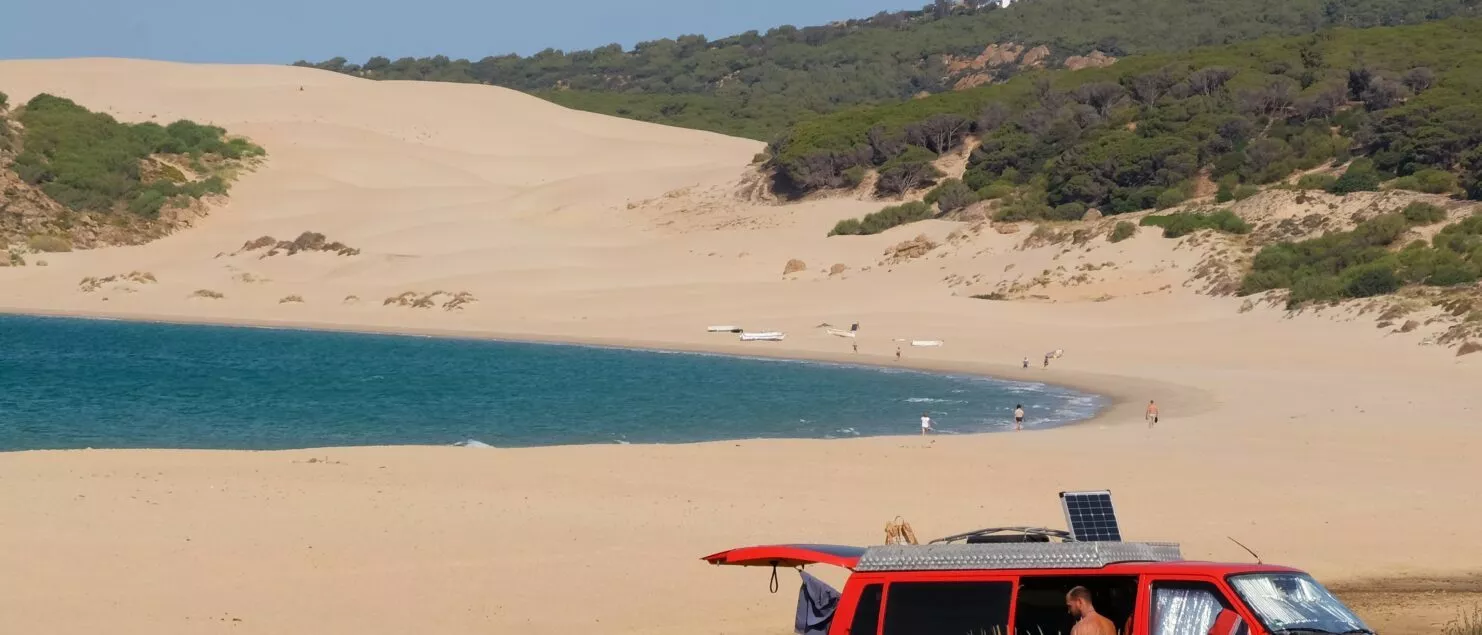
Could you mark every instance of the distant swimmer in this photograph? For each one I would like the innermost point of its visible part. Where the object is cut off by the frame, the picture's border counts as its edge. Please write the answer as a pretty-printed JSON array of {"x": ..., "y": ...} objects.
[
  {"x": 926, "y": 423},
  {"x": 1152, "y": 414},
  {"x": 1088, "y": 621},
  {"x": 1019, "y": 417}
]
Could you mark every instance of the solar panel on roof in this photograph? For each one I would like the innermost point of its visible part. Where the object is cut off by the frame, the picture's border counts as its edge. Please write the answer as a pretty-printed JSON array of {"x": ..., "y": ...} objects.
[{"x": 1090, "y": 516}]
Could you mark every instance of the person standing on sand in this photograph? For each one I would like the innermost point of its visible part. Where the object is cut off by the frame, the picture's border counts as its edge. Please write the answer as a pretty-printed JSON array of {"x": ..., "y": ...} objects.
[
  {"x": 926, "y": 423},
  {"x": 1026, "y": 363},
  {"x": 856, "y": 347},
  {"x": 1018, "y": 417},
  {"x": 1152, "y": 413},
  {"x": 897, "y": 353},
  {"x": 1088, "y": 621}
]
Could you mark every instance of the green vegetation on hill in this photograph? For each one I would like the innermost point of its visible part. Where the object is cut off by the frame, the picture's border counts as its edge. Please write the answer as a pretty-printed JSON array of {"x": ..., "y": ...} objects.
[
  {"x": 754, "y": 84},
  {"x": 89, "y": 162},
  {"x": 1179, "y": 224},
  {"x": 1361, "y": 263},
  {"x": 884, "y": 219},
  {"x": 1138, "y": 134}
]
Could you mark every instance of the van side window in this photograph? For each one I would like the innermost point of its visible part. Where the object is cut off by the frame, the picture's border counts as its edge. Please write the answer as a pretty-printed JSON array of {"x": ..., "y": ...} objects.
[
  {"x": 948, "y": 608},
  {"x": 1186, "y": 608},
  {"x": 867, "y": 612},
  {"x": 1041, "y": 603}
]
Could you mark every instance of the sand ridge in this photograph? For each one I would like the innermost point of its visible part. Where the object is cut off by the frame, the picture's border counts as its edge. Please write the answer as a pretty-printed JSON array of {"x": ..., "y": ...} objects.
[{"x": 1322, "y": 443}]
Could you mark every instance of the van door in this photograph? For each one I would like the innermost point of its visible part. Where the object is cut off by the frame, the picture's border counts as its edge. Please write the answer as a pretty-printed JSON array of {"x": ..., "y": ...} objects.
[{"x": 1190, "y": 606}]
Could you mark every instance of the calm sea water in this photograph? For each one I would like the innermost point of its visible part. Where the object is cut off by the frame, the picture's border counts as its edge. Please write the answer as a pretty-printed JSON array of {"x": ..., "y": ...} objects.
[{"x": 68, "y": 383}]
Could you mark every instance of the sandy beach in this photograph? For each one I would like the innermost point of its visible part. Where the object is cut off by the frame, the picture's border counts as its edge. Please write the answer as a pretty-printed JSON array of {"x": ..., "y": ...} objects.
[{"x": 1318, "y": 440}]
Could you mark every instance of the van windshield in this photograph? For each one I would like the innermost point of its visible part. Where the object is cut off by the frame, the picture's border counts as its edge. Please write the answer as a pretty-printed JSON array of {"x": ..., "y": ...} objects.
[{"x": 1295, "y": 603}]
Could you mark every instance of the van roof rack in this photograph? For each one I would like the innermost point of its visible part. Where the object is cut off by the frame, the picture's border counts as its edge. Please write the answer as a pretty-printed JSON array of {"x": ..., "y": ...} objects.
[
  {"x": 1043, "y": 555},
  {"x": 1008, "y": 534}
]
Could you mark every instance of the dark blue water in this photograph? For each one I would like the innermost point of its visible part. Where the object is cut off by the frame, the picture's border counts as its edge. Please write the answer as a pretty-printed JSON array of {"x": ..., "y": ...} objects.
[{"x": 68, "y": 383}]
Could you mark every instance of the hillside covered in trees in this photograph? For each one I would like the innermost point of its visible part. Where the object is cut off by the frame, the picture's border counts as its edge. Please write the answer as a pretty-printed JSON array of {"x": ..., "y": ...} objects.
[
  {"x": 754, "y": 84},
  {"x": 1140, "y": 134},
  {"x": 70, "y": 177},
  {"x": 1340, "y": 111}
]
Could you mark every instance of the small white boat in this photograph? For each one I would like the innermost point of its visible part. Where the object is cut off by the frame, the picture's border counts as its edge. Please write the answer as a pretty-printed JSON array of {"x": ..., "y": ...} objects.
[
  {"x": 724, "y": 329},
  {"x": 926, "y": 342},
  {"x": 842, "y": 333},
  {"x": 766, "y": 336}
]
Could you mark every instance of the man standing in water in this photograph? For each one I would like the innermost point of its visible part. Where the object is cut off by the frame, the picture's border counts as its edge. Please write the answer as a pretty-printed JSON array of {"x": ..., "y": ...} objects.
[
  {"x": 1152, "y": 414},
  {"x": 1088, "y": 621},
  {"x": 1018, "y": 417},
  {"x": 926, "y": 423}
]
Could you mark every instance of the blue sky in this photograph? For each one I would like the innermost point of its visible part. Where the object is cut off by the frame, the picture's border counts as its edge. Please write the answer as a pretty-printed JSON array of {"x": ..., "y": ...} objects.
[{"x": 281, "y": 31}]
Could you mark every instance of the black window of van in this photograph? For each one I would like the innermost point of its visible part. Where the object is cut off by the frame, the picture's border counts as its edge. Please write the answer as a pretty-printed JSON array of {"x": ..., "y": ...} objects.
[
  {"x": 867, "y": 613},
  {"x": 948, "y": 608}
]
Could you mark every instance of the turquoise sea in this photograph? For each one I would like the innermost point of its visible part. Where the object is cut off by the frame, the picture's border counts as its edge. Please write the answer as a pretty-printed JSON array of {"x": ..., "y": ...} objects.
[{"x": 71, "y": 383}]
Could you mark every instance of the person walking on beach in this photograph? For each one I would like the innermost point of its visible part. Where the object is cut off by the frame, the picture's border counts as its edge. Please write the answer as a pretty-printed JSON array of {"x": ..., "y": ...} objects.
[
  {"x": 856, "y": 347},
  {"x": 926, "y": 423},
  {"x": 897, "y": 353},
  {"x": 1152, "y": 413},
  {"x": 1018, "y": 417},
  {"x": 1047, "y": 360},
  {"x": 1026, "y": 362}
]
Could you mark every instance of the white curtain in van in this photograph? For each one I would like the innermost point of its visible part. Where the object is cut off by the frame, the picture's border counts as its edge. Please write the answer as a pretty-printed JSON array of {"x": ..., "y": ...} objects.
[{"x": 1184, "y": 611}]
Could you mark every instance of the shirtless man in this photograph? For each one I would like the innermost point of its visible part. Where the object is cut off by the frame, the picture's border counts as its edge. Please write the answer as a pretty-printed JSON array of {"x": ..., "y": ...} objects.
[
  {"x": 1152, "y": 414},
  {"x": 1088, "y": 621}
]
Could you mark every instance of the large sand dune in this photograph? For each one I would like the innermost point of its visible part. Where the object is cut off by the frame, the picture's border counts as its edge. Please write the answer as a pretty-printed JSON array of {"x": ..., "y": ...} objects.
[{"x": 1323, "y": 443}]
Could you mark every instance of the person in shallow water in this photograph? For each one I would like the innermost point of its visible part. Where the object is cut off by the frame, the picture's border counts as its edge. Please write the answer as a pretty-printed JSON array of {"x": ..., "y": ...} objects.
[
  {"x": 1018, "y": 416},
  {"x": 926, "y": 423}
]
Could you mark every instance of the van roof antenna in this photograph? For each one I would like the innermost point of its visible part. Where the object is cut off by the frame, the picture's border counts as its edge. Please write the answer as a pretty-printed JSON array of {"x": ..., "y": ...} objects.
[{"x": 1247, "y": 550}]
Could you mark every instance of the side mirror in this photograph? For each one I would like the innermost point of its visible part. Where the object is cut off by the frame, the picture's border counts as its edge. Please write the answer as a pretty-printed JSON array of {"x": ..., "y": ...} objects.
[{"x": 1228, "y": 623}]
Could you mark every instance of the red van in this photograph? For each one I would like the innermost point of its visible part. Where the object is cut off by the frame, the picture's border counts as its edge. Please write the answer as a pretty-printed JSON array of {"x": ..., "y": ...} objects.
[{"x": 1014, "y": 581}]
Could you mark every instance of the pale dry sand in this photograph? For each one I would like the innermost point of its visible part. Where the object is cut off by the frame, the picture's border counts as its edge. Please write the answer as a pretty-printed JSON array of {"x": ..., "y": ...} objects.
[{"x": 1323, "y": 443}]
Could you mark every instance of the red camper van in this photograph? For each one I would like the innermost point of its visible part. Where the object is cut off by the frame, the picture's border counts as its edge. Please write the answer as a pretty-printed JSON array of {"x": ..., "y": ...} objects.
[{"x": 1014, "y": 581}]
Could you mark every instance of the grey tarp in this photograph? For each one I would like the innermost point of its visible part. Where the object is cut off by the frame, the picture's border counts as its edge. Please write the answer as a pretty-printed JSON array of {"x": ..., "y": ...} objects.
[{"x": 817, "y": 602}]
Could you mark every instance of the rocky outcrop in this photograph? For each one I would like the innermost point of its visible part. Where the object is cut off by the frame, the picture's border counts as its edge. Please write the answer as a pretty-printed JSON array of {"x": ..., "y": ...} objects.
[
  {"x": 908, "y": 250},
  {"x": 794, "y": 266},
  {"x": 1096, "y": 59},
  {"x": 1035, "y": 57},
  {"x": 970, "y": 72}
]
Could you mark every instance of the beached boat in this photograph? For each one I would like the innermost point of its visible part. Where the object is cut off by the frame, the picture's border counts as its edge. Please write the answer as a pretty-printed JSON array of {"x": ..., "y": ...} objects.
[
  {"x": 926, "y": 342},
  {"x": 724, "y": 329},
  {"x": 842, "y": 333},
  {"x": 766, "y": 336}
]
